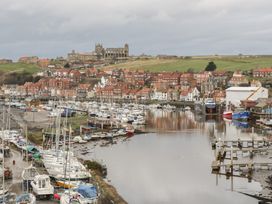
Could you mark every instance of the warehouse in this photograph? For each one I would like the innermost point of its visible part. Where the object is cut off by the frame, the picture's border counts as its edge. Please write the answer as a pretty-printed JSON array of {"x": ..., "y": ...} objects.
[{"x": 234, "y": 95}]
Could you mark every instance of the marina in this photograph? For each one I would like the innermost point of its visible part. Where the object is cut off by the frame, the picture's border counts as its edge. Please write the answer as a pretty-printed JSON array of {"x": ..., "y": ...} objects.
[{"x": 58, "y": 162}]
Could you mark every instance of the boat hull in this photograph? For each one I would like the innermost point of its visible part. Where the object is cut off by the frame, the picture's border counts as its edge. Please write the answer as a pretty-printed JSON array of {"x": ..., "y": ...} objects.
[
  {"x": 244, "y": 115},
  {"x": 227, "y": 114}
]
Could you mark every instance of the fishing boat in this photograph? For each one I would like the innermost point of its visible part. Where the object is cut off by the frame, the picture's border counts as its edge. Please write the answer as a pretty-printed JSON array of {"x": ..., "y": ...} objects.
[
  {"x": 26, "y": 198},
  {"x": 240, "y": 114},
  {"x": 42, "y": 187},
  {"x": 28, "y": 175},
  {"x": 210, "y": 105},
  {"x": 227, "y": 114}
]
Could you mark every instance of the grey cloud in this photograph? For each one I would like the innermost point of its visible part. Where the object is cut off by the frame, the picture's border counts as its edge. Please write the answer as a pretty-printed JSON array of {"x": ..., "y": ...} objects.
[{"x": 50, "y": 28}]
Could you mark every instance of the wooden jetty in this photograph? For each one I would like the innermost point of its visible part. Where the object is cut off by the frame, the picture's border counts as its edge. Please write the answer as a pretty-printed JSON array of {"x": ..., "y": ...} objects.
[
  {"x": 227, "y": 152},
  {"x": 242, "y": 143}
]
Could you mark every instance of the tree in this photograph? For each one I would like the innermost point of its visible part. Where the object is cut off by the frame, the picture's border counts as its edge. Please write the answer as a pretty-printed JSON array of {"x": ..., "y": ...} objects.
[
  {"x": 190, "y": 70},
  {"x": 210, "y": 67},
  {"x": 67, "y": 65}
]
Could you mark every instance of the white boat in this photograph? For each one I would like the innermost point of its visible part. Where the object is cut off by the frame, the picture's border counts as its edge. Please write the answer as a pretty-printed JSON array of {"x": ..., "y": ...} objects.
[
  {"x": 187, "y": 108},
  {"x": 82, "y": 141},
  {"x": 42, "y": 187},
  {"x": 87, "y": 137}
]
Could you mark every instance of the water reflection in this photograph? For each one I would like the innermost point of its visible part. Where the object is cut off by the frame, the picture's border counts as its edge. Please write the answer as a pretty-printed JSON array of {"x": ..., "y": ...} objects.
[
  {"x": 164, "y": 121},
  {"x": 156, "y": 168}
]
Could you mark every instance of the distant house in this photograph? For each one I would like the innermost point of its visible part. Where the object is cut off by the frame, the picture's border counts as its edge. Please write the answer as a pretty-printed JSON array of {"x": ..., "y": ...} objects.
[
  {"x": 238, "y": 79},
  {"x": 262, "y": 72},
  {"x": 201, "y": 77},
  {"x": 160, "y": 94},
  {"x": 144, "y": 93},
  {"x": 191, "y": 94},
  {"x": 29, "y": 60},
  {"x": 5, "y": 61},
  {"x": 219, "y": 95},
  {"x": 44, "y": 63},
  {"x": 169, "y": 78}
]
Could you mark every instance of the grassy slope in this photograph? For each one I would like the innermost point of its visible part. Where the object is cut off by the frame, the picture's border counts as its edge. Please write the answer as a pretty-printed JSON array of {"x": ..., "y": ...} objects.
[
  {"x": 229, "y": 64},
  {"x": 19, "y": 67}
]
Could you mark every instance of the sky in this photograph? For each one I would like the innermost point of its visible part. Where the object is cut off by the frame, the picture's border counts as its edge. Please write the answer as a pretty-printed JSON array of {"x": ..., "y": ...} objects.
[{"x": 50, "y": 28}]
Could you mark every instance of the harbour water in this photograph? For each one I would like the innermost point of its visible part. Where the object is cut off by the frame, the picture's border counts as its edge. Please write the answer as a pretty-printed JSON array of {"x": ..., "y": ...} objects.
[{"x": 172, "y": 164}]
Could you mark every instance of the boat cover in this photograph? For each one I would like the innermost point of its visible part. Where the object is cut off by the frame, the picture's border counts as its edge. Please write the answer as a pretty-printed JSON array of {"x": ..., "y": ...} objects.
[
  {"x": 23, "y": 197},
  {"x": 87, "y": 191}
]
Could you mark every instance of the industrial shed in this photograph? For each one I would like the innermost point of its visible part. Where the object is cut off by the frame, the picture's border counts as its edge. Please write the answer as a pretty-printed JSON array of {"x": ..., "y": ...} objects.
[{"x": 234, "y": 95}]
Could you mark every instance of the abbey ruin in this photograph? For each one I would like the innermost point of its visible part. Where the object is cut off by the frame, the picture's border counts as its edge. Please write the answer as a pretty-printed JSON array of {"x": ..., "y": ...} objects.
[{"x": 100, "y": 53}]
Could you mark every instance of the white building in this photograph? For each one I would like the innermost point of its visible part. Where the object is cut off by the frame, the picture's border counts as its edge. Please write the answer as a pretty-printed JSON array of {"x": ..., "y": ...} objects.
[
  {"x": 161, "y": 95},
  {"x": 192, "y": 94},
  {"x": 234, "y": 95}
]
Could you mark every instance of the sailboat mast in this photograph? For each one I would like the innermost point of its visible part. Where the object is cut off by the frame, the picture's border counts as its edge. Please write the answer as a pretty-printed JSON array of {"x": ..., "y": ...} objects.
[
  {"x": 69, "y": 151},
  {"x": 26, "y": 132},
  {"x": 3, "y": 166}
]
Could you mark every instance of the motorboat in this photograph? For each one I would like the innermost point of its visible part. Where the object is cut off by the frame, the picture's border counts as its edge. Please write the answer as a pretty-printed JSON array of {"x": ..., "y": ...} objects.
[{"x": 42, "y": 187}]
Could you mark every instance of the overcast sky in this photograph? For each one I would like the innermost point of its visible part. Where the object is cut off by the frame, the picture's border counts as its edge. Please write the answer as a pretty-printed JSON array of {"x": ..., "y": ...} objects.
[{"x": 50, "y": 28}]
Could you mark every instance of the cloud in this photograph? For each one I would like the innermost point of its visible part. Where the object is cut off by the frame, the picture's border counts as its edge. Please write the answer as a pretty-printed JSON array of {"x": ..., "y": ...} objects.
[{"x": 51, "y": 28}]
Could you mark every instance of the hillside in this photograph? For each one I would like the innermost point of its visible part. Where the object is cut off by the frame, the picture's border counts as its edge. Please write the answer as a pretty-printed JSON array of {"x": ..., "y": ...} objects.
[
  {"x": 19, "y": 67},
  {"x": 197, "y": 64}
]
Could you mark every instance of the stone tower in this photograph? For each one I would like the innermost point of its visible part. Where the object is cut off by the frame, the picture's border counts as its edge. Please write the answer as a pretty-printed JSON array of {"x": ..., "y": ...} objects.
[
  {"x": 99, "y": 50},
  {"x": 126, "y": 50}
]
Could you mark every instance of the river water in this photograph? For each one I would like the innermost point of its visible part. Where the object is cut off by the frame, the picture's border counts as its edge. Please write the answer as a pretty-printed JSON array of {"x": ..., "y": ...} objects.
[{"x": 172, "y": 164}]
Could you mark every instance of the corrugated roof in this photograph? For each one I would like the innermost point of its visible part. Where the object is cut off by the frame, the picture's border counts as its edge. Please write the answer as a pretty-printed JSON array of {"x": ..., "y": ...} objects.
[{"x": 249, "y": 88}]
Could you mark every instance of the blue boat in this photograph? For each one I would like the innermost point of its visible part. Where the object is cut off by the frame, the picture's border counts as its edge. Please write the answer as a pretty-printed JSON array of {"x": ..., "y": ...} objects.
[
  {"x": 210, "y": 103},
  {"x": 241, "y": 114},
  {"x": 241, "y": 124}
]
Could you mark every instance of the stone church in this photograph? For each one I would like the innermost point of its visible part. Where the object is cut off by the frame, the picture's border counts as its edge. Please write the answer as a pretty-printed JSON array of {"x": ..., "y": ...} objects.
[{"x": 100, "y": 53}]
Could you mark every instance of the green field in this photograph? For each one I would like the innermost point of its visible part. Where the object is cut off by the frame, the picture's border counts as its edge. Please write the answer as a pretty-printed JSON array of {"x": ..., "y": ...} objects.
[
  {"x": 19, "y": 67},
  {"x": 199, "y": 64}
]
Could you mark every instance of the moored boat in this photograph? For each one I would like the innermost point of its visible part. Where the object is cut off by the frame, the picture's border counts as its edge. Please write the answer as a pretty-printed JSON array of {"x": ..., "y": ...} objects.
[
  {"x": 42, "y": 187},
  {"x": 240, "y": 114},
  {"x": 26, "y": 198},
  {"x": 210, "y": 106},
  {"x": 227, "y": 114},
  {"x": 83, "y": 194}
]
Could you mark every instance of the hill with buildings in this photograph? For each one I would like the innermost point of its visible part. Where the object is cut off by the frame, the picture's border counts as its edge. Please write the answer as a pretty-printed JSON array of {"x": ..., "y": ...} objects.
[{"x": 196, "y": 63}]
